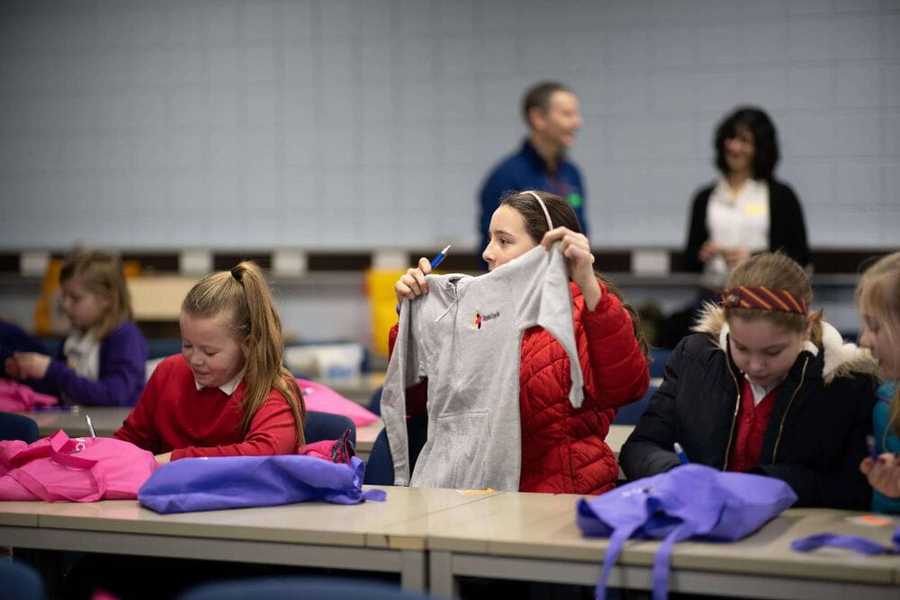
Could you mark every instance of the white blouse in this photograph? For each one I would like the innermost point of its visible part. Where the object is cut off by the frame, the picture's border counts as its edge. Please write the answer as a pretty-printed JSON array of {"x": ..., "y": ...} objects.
[{"x": 736, "y": 220}]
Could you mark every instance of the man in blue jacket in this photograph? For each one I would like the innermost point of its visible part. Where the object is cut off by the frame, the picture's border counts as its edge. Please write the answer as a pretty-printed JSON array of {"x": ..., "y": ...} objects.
[{"x": 551, "y": 112}]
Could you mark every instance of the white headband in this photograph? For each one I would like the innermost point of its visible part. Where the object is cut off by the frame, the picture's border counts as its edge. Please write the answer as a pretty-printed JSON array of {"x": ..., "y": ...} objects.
[{"x": 543, "y": 207}]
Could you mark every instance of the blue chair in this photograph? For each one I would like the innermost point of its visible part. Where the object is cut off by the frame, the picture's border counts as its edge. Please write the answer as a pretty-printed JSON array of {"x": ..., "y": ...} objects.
[
  {"x": 375, "y": 401},
  {"x": 658, "y": 359},
  {"x": 20, "y": 582},
  {"x": 630, "y": 414},
  {"x": 18, "y": 427},
  {"x": 292, "y": 588},
  {"x": 380, "y": 466},
  {"x": 321, "y": 426}
]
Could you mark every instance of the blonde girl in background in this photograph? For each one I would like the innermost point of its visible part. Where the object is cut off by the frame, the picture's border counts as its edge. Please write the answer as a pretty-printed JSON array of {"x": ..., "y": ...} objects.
[
  {"x": 878, "y": 296},
  {"x": 102, "y": 361}
]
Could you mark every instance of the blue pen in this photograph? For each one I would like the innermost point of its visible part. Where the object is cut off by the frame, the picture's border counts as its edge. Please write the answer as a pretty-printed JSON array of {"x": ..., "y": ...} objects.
[
  {"x": 437, "y": 260},
  {"x": 679, "y": 451}
]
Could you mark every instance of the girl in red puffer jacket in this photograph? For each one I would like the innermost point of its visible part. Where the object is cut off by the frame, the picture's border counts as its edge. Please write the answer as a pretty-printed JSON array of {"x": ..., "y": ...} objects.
[{"x": 563, "y": 448}]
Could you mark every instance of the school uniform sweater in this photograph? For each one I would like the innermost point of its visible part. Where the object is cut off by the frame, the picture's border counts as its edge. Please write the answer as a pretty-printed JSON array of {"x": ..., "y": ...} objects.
[
  {"x": 120, "y": 376},
  {"x": 174, "y": 416},
  {"x": 750, "y": 428}
]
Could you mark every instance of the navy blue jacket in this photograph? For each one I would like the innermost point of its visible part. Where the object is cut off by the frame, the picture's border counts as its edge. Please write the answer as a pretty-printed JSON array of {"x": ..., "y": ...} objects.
[{"x": 527, "y": 170}]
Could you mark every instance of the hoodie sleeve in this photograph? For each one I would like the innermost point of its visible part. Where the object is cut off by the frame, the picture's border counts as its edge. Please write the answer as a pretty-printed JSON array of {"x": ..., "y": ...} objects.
[{"x": 417, "y": 394}]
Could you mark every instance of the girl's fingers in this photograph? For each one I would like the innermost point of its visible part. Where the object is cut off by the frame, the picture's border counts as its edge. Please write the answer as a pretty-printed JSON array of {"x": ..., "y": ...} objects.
[
  {"x": 421, "y": 284},
  {"x": 402, "y": 291},
  {"x": 425, "y": 265},
  {"x": 552, "y": 236},
  {"x": 412, "y": 283},
  {"x": 866, "y": 465}
]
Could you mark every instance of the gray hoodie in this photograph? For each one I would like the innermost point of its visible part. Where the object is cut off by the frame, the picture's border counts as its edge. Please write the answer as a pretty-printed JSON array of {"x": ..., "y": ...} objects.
[{"x": 465, "y": 337}]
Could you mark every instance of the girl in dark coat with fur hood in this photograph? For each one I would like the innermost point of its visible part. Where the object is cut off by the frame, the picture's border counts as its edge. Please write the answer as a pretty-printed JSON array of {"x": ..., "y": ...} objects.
[{"x": 764, "y": 386}]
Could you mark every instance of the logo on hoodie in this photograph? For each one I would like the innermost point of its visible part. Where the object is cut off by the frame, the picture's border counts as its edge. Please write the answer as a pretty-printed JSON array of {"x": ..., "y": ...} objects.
[{"x": 480, "y": 318}]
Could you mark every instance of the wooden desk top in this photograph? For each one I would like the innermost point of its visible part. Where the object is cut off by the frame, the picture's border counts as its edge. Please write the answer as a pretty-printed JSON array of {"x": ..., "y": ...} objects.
[
  {"x": 398, "y": 523},
  {"x": 543, "y": 526}
]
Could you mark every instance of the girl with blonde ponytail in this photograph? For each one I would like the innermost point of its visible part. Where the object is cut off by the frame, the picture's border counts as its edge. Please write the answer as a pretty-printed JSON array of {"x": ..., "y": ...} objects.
[{"x": 228, "y": 392}]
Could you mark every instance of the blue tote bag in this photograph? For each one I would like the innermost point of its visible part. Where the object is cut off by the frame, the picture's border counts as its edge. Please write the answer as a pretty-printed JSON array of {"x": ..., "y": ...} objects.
[
  {"x": 195, "y": 484},
  {"x": 690, "y": 501}
]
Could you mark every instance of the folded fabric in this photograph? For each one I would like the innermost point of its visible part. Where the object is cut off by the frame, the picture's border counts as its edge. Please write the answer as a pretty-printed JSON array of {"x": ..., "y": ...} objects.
[
  {"x": 195, "y": 484},
  {"x": 18, "y": 397},
  {"x": 321, "y": 398},
  {"x": 856, "y": 543},
  {"x": 59, "y": 468},
  {"x": 690, "y": 501}
]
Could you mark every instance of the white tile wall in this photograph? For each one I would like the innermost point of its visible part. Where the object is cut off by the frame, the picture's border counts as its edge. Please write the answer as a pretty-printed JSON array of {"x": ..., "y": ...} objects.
[{"x": 360, "y": 123}]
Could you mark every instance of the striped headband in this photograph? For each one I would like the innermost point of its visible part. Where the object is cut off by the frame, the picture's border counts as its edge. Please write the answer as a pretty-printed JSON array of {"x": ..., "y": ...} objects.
[
  {"x": 543, "y": 207},
  {"x": 763, "y": 298}
]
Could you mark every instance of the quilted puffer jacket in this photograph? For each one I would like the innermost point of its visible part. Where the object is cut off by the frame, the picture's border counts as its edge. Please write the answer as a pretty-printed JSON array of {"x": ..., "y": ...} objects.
[{"x": 563, "y": 449}]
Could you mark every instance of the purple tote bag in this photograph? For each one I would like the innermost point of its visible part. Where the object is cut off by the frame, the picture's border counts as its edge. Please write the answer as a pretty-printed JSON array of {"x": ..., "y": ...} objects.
[
  {"x": 194, "y": 484},
  {"x": 690, "y": 501}
]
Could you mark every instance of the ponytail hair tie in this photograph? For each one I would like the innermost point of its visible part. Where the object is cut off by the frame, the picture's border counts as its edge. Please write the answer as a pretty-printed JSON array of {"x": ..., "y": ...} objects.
[{"x": 238, "y": 274}]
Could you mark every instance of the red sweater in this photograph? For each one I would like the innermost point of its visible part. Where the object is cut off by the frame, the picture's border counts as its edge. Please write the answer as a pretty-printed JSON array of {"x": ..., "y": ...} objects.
[
  {"x": 172, "y": 415},
  {"x": 564, "y": 449},
  {"x": 752, "y": 422}
]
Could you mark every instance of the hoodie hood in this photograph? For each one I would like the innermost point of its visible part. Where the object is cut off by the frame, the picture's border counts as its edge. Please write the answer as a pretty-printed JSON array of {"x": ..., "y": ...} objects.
[{"x": 840, "y": 358}]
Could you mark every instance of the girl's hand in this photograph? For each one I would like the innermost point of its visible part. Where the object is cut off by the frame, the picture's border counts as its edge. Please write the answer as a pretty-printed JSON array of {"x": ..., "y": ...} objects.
[
  {"x": 576, "y": 249},
  {"x": 883, "y": 474},
  {"x": 708, "y": 250},
  {"x": 30, "y": 365},
  {"x": 735, "y": 256},
  {"x": 12, "y": 367},
  {"x": 412, "y": 284},
  {"x": 164, "y": 458}
]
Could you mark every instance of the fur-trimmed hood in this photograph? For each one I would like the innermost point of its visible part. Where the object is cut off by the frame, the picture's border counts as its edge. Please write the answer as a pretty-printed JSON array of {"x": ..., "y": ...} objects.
[{"x": 840, "y": 358}]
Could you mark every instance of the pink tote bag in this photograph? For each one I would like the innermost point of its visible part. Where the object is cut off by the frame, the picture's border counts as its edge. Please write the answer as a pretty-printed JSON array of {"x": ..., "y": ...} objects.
[
  {"x": 63, "y": 469},
  {"x": 321, "y": 398},
  {"x": 18, "y": 397}
]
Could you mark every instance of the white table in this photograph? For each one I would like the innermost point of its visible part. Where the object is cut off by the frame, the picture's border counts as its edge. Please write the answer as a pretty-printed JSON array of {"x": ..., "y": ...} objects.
[
  {"x": 385, "y": 536},
  {"x": 534, "y": 537}
]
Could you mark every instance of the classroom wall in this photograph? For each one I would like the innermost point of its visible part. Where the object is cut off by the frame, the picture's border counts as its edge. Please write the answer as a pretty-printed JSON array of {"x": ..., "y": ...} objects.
[{"x": 351, "y": 124}]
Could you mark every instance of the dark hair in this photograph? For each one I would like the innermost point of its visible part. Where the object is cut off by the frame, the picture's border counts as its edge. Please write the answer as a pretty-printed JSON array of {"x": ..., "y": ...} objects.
[
  {"x": 538, "y": 96},
  {"x": 562, "y": 215},
  {"x": 765, "y": 140}
]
